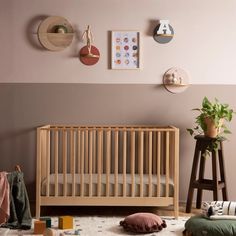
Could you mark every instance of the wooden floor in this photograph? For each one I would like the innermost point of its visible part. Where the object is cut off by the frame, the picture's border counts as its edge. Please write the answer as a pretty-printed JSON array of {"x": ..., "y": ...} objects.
[{"x": 109, "y": 211}]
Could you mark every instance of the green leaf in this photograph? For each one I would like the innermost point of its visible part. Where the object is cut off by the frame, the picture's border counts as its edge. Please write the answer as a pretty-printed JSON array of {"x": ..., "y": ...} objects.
[
  {"x": 226, "y": 131},
  {"x": 190, "y": 131}
]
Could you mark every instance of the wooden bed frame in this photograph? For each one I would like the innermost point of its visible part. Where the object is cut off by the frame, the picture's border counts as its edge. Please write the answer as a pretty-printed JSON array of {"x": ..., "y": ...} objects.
[{"x": 149, "y": 152}]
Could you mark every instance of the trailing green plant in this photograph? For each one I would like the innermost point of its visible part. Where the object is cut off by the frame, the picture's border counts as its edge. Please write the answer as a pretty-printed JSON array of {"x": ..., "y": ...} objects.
[{"x": 218, "y": 113}]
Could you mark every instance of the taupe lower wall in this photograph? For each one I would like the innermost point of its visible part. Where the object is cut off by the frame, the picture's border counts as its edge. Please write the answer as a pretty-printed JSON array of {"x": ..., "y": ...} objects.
[{"x": 25, "y": 106}]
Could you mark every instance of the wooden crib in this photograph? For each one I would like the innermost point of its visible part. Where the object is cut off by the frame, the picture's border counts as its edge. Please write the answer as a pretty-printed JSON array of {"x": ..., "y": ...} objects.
[{"x": 107, "y": 165}]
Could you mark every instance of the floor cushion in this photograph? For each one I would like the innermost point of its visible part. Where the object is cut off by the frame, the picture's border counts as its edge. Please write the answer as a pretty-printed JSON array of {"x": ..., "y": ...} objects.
[
  {"x": 143, "y": 223},
  {"x": 202, "y": 226}
]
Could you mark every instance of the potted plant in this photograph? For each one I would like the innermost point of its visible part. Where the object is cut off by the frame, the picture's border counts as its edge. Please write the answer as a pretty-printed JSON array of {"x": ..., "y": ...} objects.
[{"x": 211, "y": 121}]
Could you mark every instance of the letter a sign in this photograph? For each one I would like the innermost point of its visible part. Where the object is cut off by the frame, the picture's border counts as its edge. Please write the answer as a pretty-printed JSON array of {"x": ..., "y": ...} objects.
[
  {"x": 163, "y": 33},
  {"x": 164, "y": 27}
]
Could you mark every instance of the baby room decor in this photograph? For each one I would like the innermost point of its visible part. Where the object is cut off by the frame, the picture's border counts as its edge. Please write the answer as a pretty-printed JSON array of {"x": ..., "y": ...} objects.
[
  {"x": 199, "y": 225},
  {"x": 164, "y": 32},
  {"x": 125, "y": 50},
  {"x": 175, "y": 80},
  {"x": 89, "y": 54},
  {"x": 210, "y": 119},
  {"x": 143, "y": 223},
  {"x": 55, "y": 33},
  {"x": 93, "y": 175}
]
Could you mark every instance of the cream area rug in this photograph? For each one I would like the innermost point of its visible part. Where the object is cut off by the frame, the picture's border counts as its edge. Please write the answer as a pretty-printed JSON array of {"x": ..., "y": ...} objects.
[{"x": 103, "y": 226}]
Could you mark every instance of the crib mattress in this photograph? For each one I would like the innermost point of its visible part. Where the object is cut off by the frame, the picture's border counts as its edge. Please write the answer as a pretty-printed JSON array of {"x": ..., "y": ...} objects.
[{"x": 111, "y": 183}]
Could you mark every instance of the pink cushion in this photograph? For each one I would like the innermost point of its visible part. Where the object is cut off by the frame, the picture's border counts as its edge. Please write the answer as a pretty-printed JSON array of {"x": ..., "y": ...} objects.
[{"x": 143, "y": 223}]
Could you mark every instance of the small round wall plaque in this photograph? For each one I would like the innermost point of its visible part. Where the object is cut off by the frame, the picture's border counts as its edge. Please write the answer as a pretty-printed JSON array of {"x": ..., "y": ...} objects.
[
  {"x": 164, "y": 32},
  {"x": 89, "y": 58},
  {"x": 176, "y": 80}
]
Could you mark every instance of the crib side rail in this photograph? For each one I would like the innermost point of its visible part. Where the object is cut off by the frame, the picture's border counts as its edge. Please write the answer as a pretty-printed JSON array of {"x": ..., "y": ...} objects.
[{"x": 94, "y": 151}]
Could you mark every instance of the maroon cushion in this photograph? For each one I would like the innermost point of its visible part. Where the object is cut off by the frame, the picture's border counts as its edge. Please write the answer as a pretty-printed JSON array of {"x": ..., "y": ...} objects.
[{"x": 143, "y": 223}]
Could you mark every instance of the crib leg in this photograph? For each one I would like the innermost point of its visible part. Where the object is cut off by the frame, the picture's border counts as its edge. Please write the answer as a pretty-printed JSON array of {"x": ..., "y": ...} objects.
[
  {"x": 176, "y": 209},
  {"x": 37, "y": 215}
]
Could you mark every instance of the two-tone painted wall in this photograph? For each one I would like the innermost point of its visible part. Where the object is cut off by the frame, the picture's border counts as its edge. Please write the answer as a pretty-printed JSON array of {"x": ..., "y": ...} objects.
[{"x": 42, "y": 87}]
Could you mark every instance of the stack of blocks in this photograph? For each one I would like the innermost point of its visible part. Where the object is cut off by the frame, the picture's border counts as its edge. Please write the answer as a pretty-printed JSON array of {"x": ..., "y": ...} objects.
[{"x": 65, "y": 222}]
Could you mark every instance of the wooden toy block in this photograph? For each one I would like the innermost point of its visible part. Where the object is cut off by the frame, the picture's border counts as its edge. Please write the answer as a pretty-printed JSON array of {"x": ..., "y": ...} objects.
[
  {"x": 65, "y": 222},
  {"x": 48, "y": 221},
  {"x": 50, "y": 232},
  {"x": 39, "y": 227}
]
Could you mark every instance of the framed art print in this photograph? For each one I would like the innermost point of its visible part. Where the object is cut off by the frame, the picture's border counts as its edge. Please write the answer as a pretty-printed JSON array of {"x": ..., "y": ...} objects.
[{"x": 125, "y": 50}]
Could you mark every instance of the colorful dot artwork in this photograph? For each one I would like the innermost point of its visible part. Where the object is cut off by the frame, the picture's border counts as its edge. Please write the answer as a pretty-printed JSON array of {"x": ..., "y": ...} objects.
[{"x": 125, "y": 50}]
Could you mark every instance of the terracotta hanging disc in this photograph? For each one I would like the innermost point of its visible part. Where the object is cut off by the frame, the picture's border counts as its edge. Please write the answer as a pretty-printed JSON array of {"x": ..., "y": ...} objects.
[{"x": 89, "y": 59}]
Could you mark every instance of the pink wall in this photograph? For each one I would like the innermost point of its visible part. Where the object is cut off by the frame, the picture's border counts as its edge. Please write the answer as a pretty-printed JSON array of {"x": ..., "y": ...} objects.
[{"x": 204, "y": 41}]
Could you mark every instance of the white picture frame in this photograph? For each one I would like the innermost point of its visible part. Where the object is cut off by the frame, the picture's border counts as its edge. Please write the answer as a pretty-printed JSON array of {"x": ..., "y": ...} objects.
[{"x": 125, "y": 50}]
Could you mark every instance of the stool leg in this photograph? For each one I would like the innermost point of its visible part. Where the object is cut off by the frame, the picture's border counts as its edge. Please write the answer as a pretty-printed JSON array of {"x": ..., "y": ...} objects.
[
  {"x": 201, "y": 177},
  {"x": 193, "y": 178},
  {"x": 214, "y": 176},
  {"x": 222, "y": 172}
]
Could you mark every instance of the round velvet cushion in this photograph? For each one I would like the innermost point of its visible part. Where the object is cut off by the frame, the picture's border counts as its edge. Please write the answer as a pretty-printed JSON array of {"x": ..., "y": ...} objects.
[
  {"x": 143, "y": 223},
  {"x": 201, "y": 226}
]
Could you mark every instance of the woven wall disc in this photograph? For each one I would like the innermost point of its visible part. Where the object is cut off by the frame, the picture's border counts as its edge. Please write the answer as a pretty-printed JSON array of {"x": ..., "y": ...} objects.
[{"x": 55, "y": 33}]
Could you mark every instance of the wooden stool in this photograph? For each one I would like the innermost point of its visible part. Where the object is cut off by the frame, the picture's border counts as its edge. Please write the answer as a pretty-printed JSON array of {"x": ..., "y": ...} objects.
[{"x": 206, "y": 184}]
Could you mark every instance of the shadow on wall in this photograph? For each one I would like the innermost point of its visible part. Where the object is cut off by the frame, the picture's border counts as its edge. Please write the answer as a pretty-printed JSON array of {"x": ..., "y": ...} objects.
[
  {"x": 109, "y": 49},
  {"x": 32, "y": 37},
  {"x": 152, "y": 25},
  {"x": 31, "y": 32}
]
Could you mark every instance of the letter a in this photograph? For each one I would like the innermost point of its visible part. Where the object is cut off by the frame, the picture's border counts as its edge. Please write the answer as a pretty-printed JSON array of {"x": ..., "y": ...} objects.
[{"x": 164, "y": 27}]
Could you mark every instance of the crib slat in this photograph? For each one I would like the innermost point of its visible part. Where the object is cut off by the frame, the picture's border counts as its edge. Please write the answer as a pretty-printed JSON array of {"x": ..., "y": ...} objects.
[
  {"x": 90, "y": 163},
  {"x": 64, "y": 147},
  {"x": 146, "y": 153},
  {"x": 56, "y": 160},
  {"x": 108, "y": 158},
  {"x": 124, "y": 161},
  {"x": 72, "y": 159},
  {"x": 82, "y": 165},
  {"x": 86, "y": 151},
  {"x": 102, "y": 152},
  {"x": 48, "y": 164},
  {"x": 94, "y": 151},
  {"x": 99, "y": 162},
  {"x": 140, "y": 153},
  {"x": 132, "y": 157},
  {"x": 154, "y": 151},
  {"x": 158, "y": 164},
  {"x": 116, "y": 161},
  {"x": 167, "y": 163},
  {"x": 150, "y": 166},
  {"x": 78, "y": 150}
]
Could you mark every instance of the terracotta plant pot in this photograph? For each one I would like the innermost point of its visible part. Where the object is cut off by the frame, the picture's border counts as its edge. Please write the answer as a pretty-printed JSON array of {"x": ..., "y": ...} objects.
[{"x": 212, "y": 131}]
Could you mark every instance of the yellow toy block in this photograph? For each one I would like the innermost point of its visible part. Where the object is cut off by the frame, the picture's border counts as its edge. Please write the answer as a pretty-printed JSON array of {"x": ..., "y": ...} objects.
[
  {"x": 65, "y": 222},
  {"x": 39, "y": 227}
]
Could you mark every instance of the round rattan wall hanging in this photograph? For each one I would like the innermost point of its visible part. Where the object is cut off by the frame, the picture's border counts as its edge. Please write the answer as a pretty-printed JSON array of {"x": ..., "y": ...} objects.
[{"x": 55, "y": 33}]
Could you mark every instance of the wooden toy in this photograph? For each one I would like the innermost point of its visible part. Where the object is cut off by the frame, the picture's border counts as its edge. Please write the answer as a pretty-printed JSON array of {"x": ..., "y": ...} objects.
[
  {"x": 50, "y": 232},
  {"x": 65, "y": 222},
  {"x": 39, "y": 227},
  {"x": 48, "y": 221}
]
